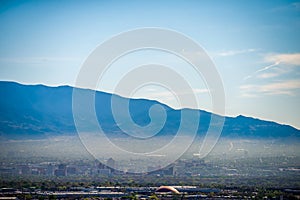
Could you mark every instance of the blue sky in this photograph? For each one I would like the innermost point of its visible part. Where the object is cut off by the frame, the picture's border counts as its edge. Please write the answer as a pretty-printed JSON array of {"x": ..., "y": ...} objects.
[{"x": 254, "y": 44}]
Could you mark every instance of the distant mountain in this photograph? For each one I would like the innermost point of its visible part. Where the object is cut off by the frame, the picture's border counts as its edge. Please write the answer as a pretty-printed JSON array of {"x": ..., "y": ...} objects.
[{"x": 37, "y": 111}]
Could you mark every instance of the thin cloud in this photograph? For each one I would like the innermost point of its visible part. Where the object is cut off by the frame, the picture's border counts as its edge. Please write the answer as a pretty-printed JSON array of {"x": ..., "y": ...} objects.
[
  {"x": 37, "y": 60},
  {"x": 262, "y": 69},
  {"x": 278, "y": 88},
  {"x": 282, "y": 87},
  {"x": 268, "y": 75},
  {"x": 248, "y": 95},
  {"x": 289, "y": 59},
  {"x": 236, "y": 52},
  {"x": 168, "y": 96},
  {"x": 154, "y": 93},
  {"x": 268, "y": 67},
  {"x": 201, "y": 91},
  {"x": 292, "y": 59}
]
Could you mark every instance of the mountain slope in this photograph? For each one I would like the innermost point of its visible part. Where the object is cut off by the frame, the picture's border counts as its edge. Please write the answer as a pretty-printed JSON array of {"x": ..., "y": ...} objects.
[{"x": 37, "y": 110}]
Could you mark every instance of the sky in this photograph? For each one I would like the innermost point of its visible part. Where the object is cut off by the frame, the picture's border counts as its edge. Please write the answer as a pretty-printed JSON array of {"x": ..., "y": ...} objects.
[{"x": 255, "y": 46}]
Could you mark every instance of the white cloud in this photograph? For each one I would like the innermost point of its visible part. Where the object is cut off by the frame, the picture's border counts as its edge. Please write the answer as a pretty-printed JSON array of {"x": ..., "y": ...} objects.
[
  {"x": 235, "y": 52},
  {"x": 248, "y": 95},
  {"x": 276, "y": 60},
  {"x": 268, "y": 67},
  {"x": 279, "y": 88},
  {"x": 262, "y": 69},
  {"x": 37, "y": 60},
  {"x": 268, "y": 75},
  {"x": 201, "y": 91},
  {"x": 289, "y": 59},
  {"x": 151, "y": 89},
  {"x": 151, "y": 92}
]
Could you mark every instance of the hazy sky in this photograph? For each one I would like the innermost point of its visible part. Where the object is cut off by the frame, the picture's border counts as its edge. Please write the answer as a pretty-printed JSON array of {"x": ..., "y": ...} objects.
[{"x": 254, "y": 44}]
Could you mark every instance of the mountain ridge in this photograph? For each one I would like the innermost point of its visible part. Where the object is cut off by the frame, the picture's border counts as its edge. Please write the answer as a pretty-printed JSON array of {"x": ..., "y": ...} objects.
[{"x": 47, "y": 110}]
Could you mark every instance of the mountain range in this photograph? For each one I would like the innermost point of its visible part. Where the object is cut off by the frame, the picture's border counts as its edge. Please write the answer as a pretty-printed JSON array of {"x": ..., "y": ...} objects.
[{"x": 35, "y": 111}]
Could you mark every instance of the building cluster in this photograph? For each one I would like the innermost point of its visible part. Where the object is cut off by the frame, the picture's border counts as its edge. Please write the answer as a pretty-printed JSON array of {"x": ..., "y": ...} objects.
[
  {"x": 50, "y": 169},
  {"x": 58, "y": 169},
  {"x": 96, "y": 168}
]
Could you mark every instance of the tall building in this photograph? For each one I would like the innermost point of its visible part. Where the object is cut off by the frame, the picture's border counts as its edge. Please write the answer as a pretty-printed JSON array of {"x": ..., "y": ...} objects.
[
  {"x": 71, "y": 170},
  {"x": 101, "y": 166},
  {"x": 61, "y": 171},
  {"x": 50, "y": 169},
  {"x": 25, "y": 169},
  {"x": 111, "y": 163}
]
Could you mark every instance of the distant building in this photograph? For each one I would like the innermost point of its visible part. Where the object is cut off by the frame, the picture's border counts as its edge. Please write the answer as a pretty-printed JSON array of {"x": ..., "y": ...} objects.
[
  {"x": 169, "y": 171},
  {"x": 8, "y": 170},
  {"x": 50, "y": 169},
  {"x": 151, "y": 168},
  {"x": 41, "y": 170},
  {"x": 25, "y": 169},
  {"x": 101, "y": 166},
  {"x": 62, "y": 166},
  {"x": 61, "y": 171},
  {"x": 104, "y": 172},
  {"x": 71, "y": 170},
  {"x": 35, "y": 171},
  {"x": 111, "y": 163}
]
